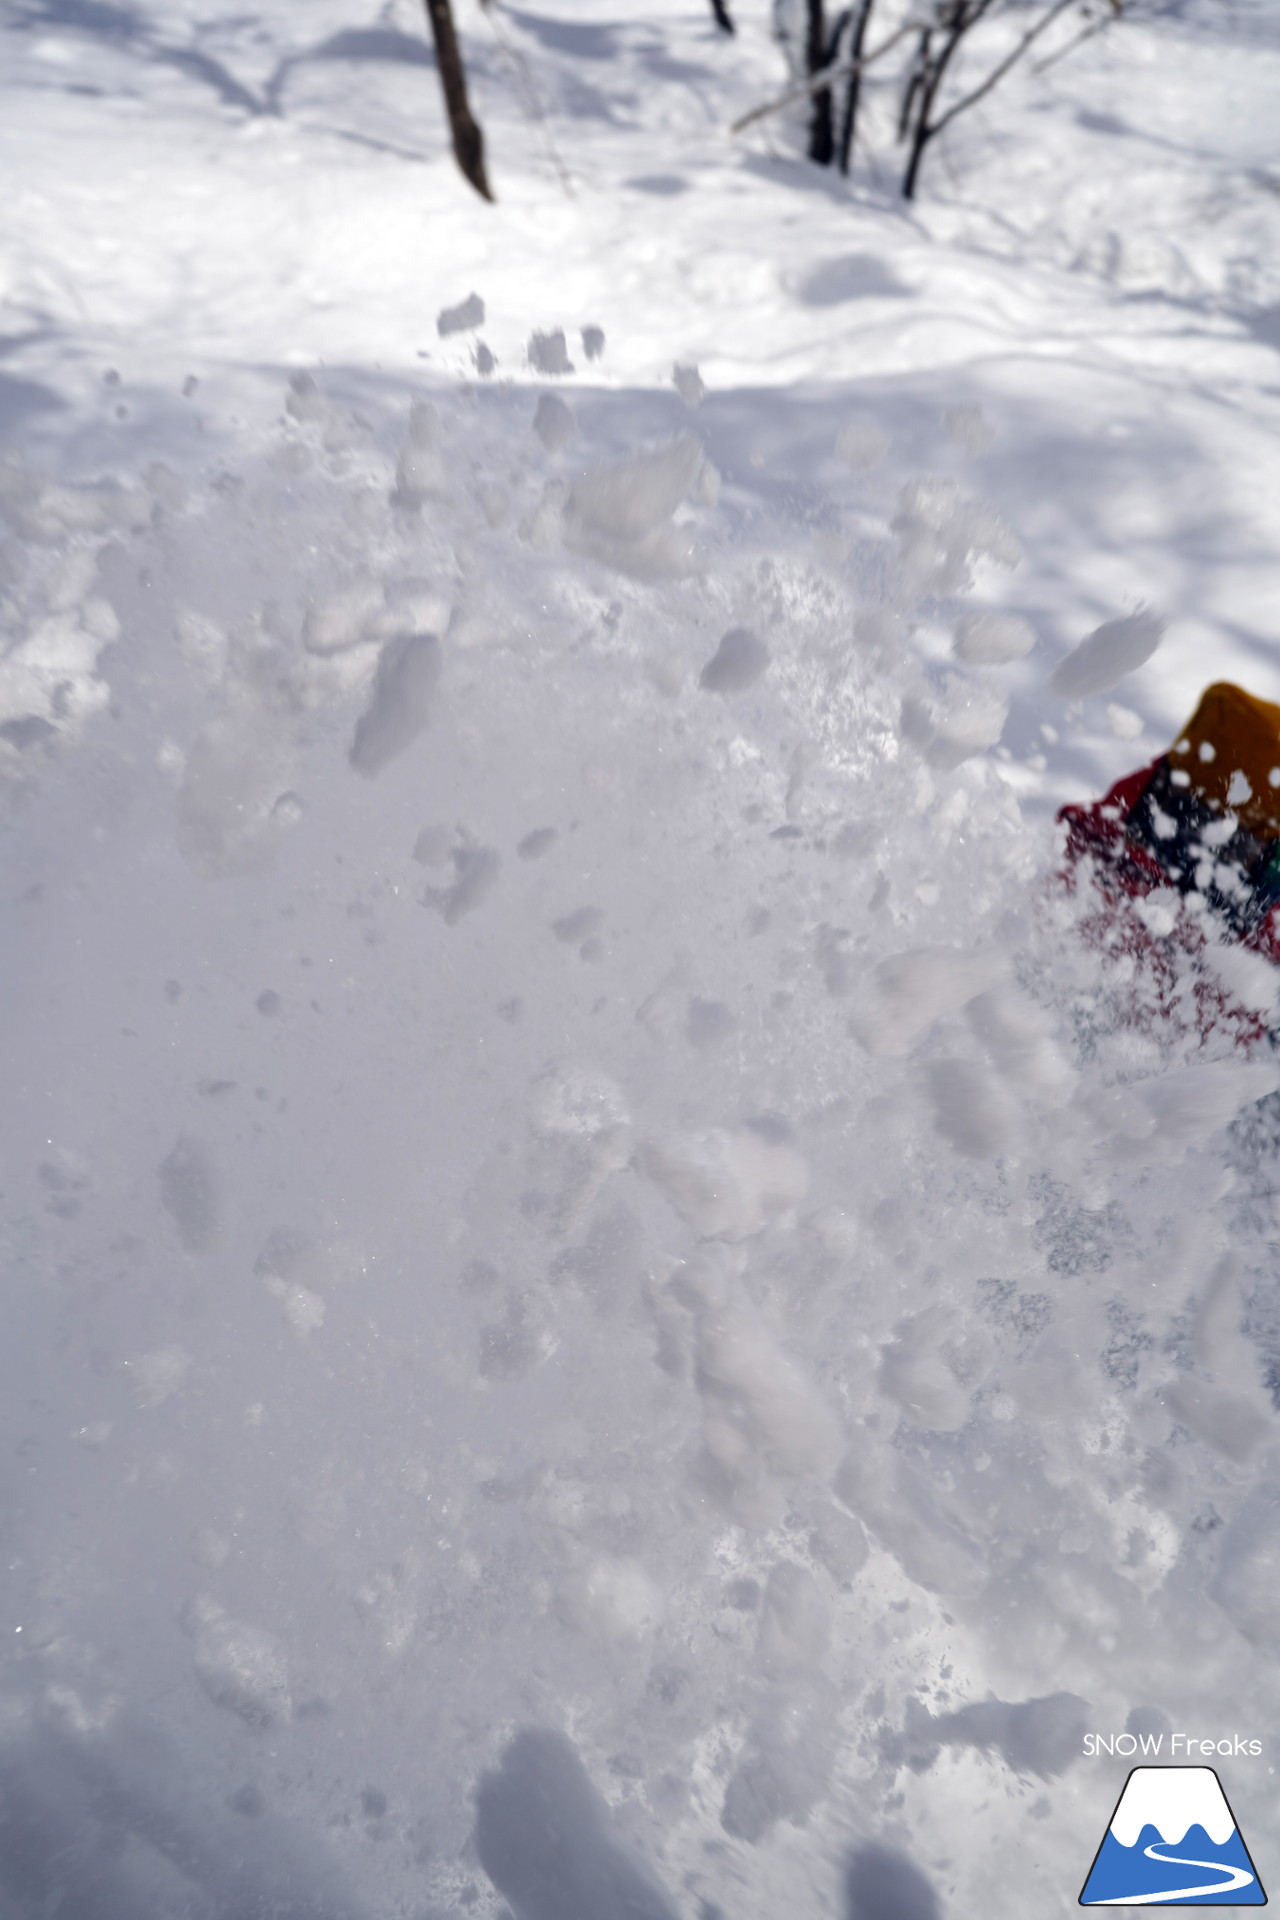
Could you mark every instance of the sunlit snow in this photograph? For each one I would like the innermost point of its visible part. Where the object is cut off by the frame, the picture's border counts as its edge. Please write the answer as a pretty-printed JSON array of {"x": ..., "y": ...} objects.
[{"x": 617, "y": 1302}]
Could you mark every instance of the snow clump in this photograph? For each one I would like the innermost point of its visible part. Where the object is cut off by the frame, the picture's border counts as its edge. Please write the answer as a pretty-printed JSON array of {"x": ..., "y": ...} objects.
[
  {"x": 399, "y": 705},
  {"x": 622, "y": 512},
  {"x": 1112, "y": 651},
  {"x": 548, "y": 353},
  {"x": 468, "y": 314},
  {"x": 942, "y": 532},
  {"x": 991, "y": 639},
  {"x": 241, "y": 1668},
  {"x": 737, "y": 663}
]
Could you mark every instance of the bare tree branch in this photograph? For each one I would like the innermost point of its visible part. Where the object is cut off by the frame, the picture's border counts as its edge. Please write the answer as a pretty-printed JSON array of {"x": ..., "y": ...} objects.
[
  {"x": 857, "y": 35},
  {"x": 468, "y": 141},
  {"x": 817, "y": 60},
  {"x": 816, "y": 82},
  {"x": 955, "y": 19},
  {"x": 1086, "y": 33},
  {"x": 527, "y": 88},
  {"x": 998, "y": 73}
]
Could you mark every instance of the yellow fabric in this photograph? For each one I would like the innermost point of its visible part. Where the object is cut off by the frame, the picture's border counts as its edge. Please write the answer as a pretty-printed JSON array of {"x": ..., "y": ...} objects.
[{"x": 1231, "y": 733}]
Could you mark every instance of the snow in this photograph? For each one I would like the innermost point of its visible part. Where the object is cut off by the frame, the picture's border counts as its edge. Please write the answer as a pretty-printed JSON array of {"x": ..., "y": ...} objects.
[
  {"x": 1173, "y": 1802},
  {"x": 399, "y": 701},
  {"x": 736, "y": 664},
  {"x": 569, "y": 1162},
  {"x": 1110, "y": 653}
]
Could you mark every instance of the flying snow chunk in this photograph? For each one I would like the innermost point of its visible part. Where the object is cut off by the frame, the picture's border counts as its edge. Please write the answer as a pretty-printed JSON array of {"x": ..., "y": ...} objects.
[
  {"x": 912, "y": 990},
  {"x": 469, "y": 313},
  {"x": 923, "y": 1385},
  {"x": 570, "y": 928},
  {"x": 1020, "y": 1039},
  {"x": 305, "y": 400},
  {"x": 159, "y": 1375},
  {"x": 991, "y": 639},
  {"x": 545, "y": 1839},
  {"x": 400, "y": 703},
  {"x": 593, "y": 342},
  {"x": 475, "y": 874},
  {"x": 737, "y": 663},
  {"x": 795, "y": 1621},
  {"x": 1162, "y": 1808},
  {"x": 548, "y": 353},
  {"x": 553, "y": 422},
  {"x": 617, "y": 1598},
  {"x": 303, "y": 1310},
  {"x": 420, "y": 468},
  {"x": 967, "y": 720},
  {"x": 188, "y": 1193},
  {"x": 1248, "y": 978},
  {"x": 763, "y": 1416},
  {"x": 1226, "y": 1421},
  {"x": 1040, "y": 1737},
  {"x": 241, "y": 1668},
  {"x": 576, "y": 1103},
  {"x": 1188, "y": 1104},
  {"x": 689, "y": 384},
  {"x": 727, "y": 1185},
  {"x": 225, "y": 808},
  {"x": 883, "y": 1884},
  {"x": 1123, "y": 722},
  {"x": 941, "y": 531},
  {"x": 621, "y": 511},
  {"x": 343, "y": 620},
  {"x": 303, "y": 1258},
  {"x": 1102, "y": 661},
  {"x": 971, "y": 1109}
]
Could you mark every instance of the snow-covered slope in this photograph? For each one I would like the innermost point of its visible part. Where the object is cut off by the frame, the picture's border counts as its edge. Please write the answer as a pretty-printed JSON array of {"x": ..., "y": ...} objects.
[{"x": 568, "y": 1165}]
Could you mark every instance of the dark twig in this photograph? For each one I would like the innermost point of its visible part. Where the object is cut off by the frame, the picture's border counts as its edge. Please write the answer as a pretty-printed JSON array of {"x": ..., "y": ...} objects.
[
  {"x": 853, "y": 93},
  {"x": 468, "y": 141},
  {"x": 998, "y": 73}
]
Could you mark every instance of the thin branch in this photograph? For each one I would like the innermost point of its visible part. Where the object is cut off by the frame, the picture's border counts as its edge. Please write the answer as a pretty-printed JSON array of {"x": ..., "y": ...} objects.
[
  {"x": 818, "y": 81},
  {"x": 532, "y": 102},
  {"x": 964, "y": 16},
  {"x": 1086, "y": 33},
  {"x": 998, "y": 73},
  {"x": 818, "y": 57},
  {"x": 857, "y": 34}
]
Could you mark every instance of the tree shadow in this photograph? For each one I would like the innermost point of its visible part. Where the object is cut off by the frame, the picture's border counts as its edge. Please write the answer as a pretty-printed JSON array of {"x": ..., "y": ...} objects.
[
  {"x": 128, "y": 30},
  {"x": 19, "y": 399},
  {"x": 853, "y": 276}
]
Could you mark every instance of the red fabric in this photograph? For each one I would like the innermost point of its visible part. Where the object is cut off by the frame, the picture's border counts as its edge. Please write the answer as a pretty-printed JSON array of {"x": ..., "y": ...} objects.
[
  {"x": 1123, "y": 871},
  {"x": 1098, "y": 828}
]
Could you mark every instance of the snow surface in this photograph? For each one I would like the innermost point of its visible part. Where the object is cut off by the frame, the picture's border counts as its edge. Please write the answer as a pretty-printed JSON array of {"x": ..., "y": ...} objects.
[{"x": 614, "y": 1301}]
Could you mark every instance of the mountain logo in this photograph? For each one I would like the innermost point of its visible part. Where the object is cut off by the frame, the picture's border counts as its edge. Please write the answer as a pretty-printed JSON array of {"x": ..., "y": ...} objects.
[{"x": 1172, "y": 1842}]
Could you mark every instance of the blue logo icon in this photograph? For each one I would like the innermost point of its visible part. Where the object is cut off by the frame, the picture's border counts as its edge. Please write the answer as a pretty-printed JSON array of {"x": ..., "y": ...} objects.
[{"x": 1173, "y": 1842}]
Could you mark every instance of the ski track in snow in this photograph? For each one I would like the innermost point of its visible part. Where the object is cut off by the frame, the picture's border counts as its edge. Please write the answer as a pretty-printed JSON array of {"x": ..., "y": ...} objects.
[{"x": 568, "y": 1167}]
